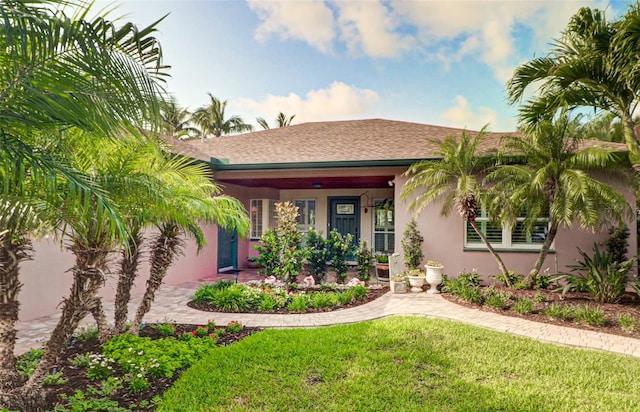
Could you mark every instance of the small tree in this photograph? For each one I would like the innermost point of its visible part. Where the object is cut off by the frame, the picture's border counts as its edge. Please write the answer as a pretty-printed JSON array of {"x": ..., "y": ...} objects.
[
  {"x": 288, "y": 243},
  {"x": 340, "y": 247},
  {"x": 364, "y": 257},
  {"x": 412, "y": 245},
  {"x": 317, "y": 255}
]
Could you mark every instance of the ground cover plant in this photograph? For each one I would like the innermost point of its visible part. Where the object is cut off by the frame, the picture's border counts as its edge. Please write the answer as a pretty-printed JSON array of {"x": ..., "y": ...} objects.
[
  {"x": 127, "y": 372},
  {"x": 404, "y": 363},
  {"x": 259, "y": 296}
]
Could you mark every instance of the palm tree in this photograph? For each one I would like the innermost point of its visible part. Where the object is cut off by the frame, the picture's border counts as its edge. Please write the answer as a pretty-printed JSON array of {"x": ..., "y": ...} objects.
[
  {"x": 454, "y": 179},
  {"x": 212, "y": 122},
  {"x": 59, "y": 71},
  {"x": 176, "y": 120},
  {"x": 605, "y": 126},
  {"x": 593, "y": 63},
  {"x": 553, "y": 180},
  {"x": 282, "y": 121},
  {"x": 192, "y": 199}
]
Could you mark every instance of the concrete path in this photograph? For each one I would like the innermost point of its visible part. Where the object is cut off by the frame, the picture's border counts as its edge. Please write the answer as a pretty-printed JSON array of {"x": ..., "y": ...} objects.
[{"x": 170, "y": 305}]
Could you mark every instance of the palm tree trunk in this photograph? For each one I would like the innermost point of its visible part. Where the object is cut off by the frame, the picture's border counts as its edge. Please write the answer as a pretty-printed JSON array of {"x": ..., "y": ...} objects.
[
  {"x": 11, "y": 255},
  {"x": 553, "y": 230},
  {"x": 104, "y": 330},
  {"x": 503, "y": 268},
  {"x": 630, "y": 138},
  {"x": 164, "y": 250},
  {"x": 128, "y": 274},
  {"x": 88, "y": 278}
]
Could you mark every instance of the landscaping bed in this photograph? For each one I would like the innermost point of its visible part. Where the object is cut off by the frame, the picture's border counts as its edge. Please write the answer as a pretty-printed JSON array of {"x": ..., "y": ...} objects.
[
  {"x": 261, "y": 297},
  {"x": 622, "y": 318},
  {"x": 85, "y": 380}
]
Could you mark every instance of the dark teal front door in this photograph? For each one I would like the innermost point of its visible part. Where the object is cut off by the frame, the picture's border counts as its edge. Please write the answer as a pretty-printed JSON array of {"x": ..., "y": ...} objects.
[
  {"x": 227, "y": 250},
  {"x": 344, "y": 216}
]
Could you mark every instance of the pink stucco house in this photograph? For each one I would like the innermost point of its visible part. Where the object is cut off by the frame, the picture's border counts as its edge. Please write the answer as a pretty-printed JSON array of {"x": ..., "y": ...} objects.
[{"x": 345, "y": 175}]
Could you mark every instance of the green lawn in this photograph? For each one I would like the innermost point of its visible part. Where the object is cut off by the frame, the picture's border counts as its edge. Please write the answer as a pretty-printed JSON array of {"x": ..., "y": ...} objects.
[{"x": 404, "y": 364}]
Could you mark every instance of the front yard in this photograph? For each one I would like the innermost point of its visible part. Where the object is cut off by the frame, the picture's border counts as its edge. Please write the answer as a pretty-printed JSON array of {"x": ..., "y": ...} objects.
[{"x": 404, "y": 363}]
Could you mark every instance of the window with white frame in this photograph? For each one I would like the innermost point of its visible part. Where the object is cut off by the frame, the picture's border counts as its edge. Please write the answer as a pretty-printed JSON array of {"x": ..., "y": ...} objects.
[
  {"x": 383, "y": 225},
  {"x": 306, "y": 214},
  {"x": 505, "y": 237},
  {"x": 262, "y": 218}
]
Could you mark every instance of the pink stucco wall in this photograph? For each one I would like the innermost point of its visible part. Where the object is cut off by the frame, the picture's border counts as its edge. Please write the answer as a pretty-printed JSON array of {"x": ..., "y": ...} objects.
[
  {"x": 444, "y": 241},
  {"x": 46, "y": 279}
]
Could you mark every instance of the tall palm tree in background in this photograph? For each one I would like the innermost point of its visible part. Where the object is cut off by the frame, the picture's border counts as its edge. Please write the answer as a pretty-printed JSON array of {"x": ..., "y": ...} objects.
[
  {"x": 176, "y": 120},
  {"x": 550, "y": 176},
  {"x": 605, "y": 126},
  {"x": 211, "y": 120},
  {"x": 455, "y": 179},
  {"x": 58, "y": 71},
  {"x": 593, "y": 63},
  {"x": 282, "y": 121}
]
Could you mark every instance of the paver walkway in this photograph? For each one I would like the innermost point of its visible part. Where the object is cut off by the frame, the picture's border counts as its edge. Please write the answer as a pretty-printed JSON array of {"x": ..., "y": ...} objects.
[{"x": 170, "y": 305}]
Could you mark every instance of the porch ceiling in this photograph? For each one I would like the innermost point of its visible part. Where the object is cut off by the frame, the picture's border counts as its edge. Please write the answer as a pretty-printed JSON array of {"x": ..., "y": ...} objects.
[{"x": 350, "y": 182}]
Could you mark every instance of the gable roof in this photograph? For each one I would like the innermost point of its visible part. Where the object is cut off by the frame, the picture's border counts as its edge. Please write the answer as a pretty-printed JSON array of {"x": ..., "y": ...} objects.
[{"x": 372, "y": 141}]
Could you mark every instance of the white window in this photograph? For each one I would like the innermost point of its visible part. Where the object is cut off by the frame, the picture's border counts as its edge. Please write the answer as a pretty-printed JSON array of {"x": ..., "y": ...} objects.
[
  {"x": 504, "y": 237},
  {"x": 262, "y": 218},
  {"x": 306, "y": 214},
  {"x": 383, "y": 225}
]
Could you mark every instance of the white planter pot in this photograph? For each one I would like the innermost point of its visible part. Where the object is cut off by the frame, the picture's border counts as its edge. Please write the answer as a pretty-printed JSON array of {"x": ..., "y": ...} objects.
[
  {"x": 416, "y": 283},
  {"x": 398, "y": 287},
  {"x": 434, "y": 278}
]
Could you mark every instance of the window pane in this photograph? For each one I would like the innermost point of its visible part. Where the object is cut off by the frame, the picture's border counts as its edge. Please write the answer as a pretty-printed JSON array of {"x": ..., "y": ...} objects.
[
  {"x": 540, "y": 232},
  {"x": 256, "y": 218},
  {"x": 492, "y": 231},
  {"x": 383, "y": 221},
  {"x": 273, "y": 221}
]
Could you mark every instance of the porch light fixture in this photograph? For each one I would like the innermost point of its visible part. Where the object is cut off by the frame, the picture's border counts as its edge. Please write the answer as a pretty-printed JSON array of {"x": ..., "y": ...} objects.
[{"x": 317, "y": 185}]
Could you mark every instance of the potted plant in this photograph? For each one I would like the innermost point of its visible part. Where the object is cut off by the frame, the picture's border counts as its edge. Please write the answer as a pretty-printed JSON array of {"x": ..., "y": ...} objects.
[
  {"x": 382, "y": 265},
  {"x": 398, "y": 283},
  {"x": 434, "y": 275},
  {"x": 416, "y": 279},
  {"x": 253, "y": 263},
  {"x": 412, "y": 245}
]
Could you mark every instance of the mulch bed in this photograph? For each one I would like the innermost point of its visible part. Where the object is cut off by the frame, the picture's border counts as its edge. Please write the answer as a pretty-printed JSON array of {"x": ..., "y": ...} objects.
[{"x": 630, "y": 305}]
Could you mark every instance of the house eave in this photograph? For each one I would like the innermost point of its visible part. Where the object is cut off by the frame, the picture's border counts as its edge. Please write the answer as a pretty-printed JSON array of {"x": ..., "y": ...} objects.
[{"x": 221, "y": 164}]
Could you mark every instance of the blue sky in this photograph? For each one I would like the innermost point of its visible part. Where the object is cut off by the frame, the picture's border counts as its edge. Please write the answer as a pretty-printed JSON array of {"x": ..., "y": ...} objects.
[{"x": 436, "y": 62}]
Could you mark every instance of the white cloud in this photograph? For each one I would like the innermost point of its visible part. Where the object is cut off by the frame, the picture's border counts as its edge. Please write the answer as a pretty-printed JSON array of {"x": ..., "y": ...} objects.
[
  {"x": 309, "y": 21},
  {"x": 368, "y": 27},
  {"x": 447, "y": 31},
  {"x": 338, "y": 101},
  {"x": 463, "y": 115}
]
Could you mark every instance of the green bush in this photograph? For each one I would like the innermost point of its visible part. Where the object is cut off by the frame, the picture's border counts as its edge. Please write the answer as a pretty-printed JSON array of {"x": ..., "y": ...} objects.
[
  {"x": 604, "y": 278},
  {"x": 513, "y": 278},
  {"x": 628, "y": 322},
  {"x": 470, "y": 294},
  {"x": 231, "y": 299},
  {"x": 464, "y": 280},
  {"x": 299, "y": 303},
  {"x": 339, "y": 248},
  {"x": 360, "y": 292},
  {"x": 27, "y": 362},
  {"x": 412, "y": 245},
  {"x": 346, "y": 297},
  {"x": 558, "y": 311},
  {"x": 364, "y": 258},
  {"x": 592, "y": 315},
  {"x": 317, "y": 255},
  {"x": 523, "y": 306},
  {"x": 165, "y": 329},
  {"x": 320, "y": 300},
  {"x": 268, "y": 304}
]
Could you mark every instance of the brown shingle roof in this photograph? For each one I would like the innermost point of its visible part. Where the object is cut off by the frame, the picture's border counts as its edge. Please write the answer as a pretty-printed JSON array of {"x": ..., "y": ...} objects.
[{"x": 336, "y": 141}]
